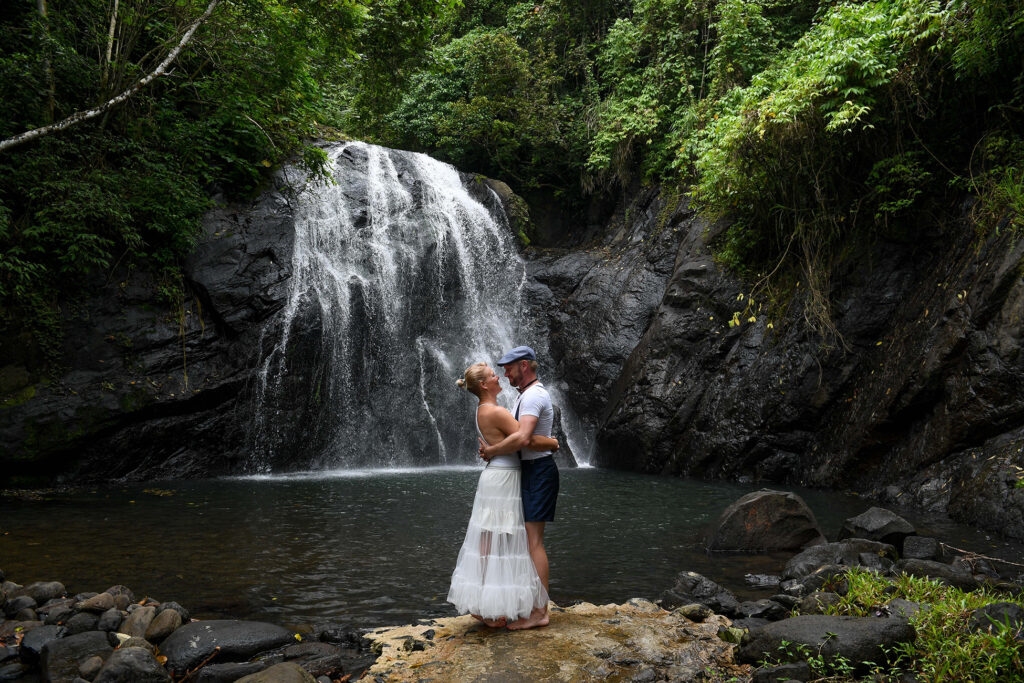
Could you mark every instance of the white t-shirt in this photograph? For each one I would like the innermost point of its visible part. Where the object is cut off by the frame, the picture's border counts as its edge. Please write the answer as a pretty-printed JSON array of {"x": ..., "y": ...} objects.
[{"x": 536, "y": 401}]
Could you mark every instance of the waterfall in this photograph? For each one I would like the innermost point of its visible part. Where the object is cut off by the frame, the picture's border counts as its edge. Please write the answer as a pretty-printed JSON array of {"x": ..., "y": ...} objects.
[{"x": 401, "y": 278}]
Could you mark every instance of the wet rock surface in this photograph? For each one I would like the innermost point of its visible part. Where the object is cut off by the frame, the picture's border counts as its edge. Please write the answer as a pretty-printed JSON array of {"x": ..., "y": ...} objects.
[
  {"x": 153, "y": 642},
  {"x": 630, "y": 642}
]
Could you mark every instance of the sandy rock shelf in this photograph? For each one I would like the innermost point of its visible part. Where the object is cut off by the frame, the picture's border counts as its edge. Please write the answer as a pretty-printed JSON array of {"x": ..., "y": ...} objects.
[{"x": 635, "y": 641}]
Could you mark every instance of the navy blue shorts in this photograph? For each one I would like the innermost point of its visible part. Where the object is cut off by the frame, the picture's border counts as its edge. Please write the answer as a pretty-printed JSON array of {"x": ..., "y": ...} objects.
[{"x": 540, "y": 489}]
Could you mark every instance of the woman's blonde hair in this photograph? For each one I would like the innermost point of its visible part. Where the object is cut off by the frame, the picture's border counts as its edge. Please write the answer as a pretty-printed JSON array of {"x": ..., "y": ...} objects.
[{"x": 473, "y": 378}]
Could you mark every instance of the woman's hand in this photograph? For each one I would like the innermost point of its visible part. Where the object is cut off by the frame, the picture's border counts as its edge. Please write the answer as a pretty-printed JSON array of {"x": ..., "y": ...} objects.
[{"x": 483, "y": 450}]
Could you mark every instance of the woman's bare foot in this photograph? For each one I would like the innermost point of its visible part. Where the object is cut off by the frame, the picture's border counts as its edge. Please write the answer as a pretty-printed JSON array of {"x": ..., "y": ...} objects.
[
  {"x": 495, "y": 623},
  {"x": 538, "y": 617}
]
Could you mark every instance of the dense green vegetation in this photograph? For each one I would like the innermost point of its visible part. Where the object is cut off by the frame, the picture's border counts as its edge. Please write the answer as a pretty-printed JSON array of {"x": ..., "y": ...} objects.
[
  {"x": 946, "y": 647},
  {"x": 810, "y": 126}
]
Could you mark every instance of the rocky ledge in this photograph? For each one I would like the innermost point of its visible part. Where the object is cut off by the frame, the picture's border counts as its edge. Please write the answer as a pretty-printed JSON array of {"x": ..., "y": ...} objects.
[{"x": 635, "y": 641}]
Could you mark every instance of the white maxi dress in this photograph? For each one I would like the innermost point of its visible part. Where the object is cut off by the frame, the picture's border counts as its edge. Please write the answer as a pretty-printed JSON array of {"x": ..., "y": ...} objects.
[{"x": 494, "y": 576}]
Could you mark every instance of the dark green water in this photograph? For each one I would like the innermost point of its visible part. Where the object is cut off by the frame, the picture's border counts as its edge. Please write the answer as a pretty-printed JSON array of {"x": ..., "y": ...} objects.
[{"x": 377, "y": 547}]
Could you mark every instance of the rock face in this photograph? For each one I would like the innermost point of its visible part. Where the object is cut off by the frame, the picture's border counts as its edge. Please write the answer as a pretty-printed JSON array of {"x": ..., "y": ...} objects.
[
  {"x": 913, "y": 401},
  {"x": 154, "y": 388}
]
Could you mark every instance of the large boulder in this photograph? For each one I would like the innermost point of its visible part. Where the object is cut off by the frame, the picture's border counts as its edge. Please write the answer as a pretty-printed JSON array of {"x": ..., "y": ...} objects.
[
  {"x": 856, "y": 639},
  {"x": 855, "y": 552},
  {"x": 877, "y": 524},
  {"x": 956, "y": 576},
  {"x": 691, "y": 587},
  {"x": 232, "y": 640},
  {"x": 764, "y": 521}
]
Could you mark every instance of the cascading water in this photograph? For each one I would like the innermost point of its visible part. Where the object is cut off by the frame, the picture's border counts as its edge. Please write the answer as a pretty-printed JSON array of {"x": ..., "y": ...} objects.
[{"x": 400, "y": 279}]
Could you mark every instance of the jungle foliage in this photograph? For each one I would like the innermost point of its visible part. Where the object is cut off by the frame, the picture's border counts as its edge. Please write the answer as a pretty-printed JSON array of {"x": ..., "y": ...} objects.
[
  {"x": 128, "y": 187},
  {"x": 808, "y": 126},
  {"x": 811, "y": 128}
]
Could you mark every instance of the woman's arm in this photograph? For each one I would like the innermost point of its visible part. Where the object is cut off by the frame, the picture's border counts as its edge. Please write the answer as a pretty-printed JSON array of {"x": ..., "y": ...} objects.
[{"x": 542, "y": 443}]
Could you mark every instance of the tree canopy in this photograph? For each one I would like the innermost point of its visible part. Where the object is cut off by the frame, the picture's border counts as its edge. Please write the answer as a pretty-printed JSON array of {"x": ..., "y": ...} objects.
[{"x": 806, "y": 125}]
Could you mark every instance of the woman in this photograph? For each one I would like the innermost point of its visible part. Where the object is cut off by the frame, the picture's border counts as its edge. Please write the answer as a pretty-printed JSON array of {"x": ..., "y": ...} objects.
[{"x": 494, "y": 577}]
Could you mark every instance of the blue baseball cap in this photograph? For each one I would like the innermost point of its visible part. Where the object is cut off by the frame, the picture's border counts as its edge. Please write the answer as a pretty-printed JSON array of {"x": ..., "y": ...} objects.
[{"x": 518, "y": 353}]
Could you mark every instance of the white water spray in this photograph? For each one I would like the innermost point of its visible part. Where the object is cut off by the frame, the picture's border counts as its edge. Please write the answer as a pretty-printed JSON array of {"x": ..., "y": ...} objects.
[{"x": 400, "y": 280}]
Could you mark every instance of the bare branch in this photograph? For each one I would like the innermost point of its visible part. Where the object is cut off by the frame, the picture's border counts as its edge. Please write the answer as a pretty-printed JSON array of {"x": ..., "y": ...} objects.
[{"x": 80, "y": 116}]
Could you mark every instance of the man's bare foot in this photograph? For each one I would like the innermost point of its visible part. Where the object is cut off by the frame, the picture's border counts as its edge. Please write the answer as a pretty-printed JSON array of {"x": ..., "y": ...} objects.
[{"x": 538, "y": 617}]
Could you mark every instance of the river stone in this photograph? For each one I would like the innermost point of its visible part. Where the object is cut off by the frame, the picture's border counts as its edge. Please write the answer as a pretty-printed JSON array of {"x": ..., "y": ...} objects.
[
  {"x": 285, "y": 672},
  {"x": 857, "y": 639},
  {"x": 132, "y": 665},
  {"x": 10, "y": 628},
  {"x": 135, "y": 641},
  {"x": 994, "y": 616},
  {"x": 184, "y": 613},
  {"x": 58, "y": 660},
  {"x": 57, "y": 611},
  {"x": 238, "y": 640},
  {"x": 34, "y": 641},
  {"x": 100, "y": 602},
  {"x": 877, "y": 524},
  {"x": 764, "y": 521},
  {"x": 692, "y": 587},
  {"x": 138, "y": 621},
  {"x": 15, "y": 605},
  {"x": 904, "y": 608},
  {"x": 846, "y": 553},
  {"x": 42, "y": 591},
  {"x": 90, "y": 666},
  {"x": 762, "y": 609},
  {"x": 14, "y": 671},
  {"x": 110, "y": 620},
  {"x": 948, "y": 574},
  {"x": 123, "y": 596},
  {"x": 790, "y": 671},
  {"x": 317, "y": 658},
  {"x": 163, "y": 625},
  {"x": 818, "y": 602},
  {"x": 229, "y": 672},
  {"x": 81, "y": 622},
  {"x": 695, "y": 611},
  {"x": 920, "y": 548}
]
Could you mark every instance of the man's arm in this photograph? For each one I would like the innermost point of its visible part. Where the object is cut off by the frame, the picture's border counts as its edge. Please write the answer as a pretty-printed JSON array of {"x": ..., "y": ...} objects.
[{"x": 516, "y": 441}]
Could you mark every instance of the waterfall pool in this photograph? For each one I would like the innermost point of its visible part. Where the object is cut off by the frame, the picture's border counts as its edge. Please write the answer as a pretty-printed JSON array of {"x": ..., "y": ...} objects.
[{"x": 366, "y": 548}]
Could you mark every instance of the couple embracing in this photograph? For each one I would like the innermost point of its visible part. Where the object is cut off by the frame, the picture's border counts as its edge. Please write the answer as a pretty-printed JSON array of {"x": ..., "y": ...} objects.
[{"x": 501, "y": 576}]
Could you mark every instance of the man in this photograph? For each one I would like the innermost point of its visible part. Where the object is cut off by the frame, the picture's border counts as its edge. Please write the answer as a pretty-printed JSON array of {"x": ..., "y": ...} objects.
[{"x": 535, "y": 414}]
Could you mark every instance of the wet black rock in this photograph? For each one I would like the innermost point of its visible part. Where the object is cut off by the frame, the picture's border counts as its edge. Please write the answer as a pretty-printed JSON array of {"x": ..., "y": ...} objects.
[
  {"x": 764, "y": 521},
  {"x": 135, "y": 664},
  {"x": 850, "y": 553},
  {"x": 857, "y": 639},
  {"x": 59, "y": 659},
  {"x": 877, "y": 524},
  {"x": 232, "y": 640},
  {"x": 123, "y": 644}
]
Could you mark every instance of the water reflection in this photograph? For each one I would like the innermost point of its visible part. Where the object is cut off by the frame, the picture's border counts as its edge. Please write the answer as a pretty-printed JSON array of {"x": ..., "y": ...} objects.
[{"x": 369, "y": 548}]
